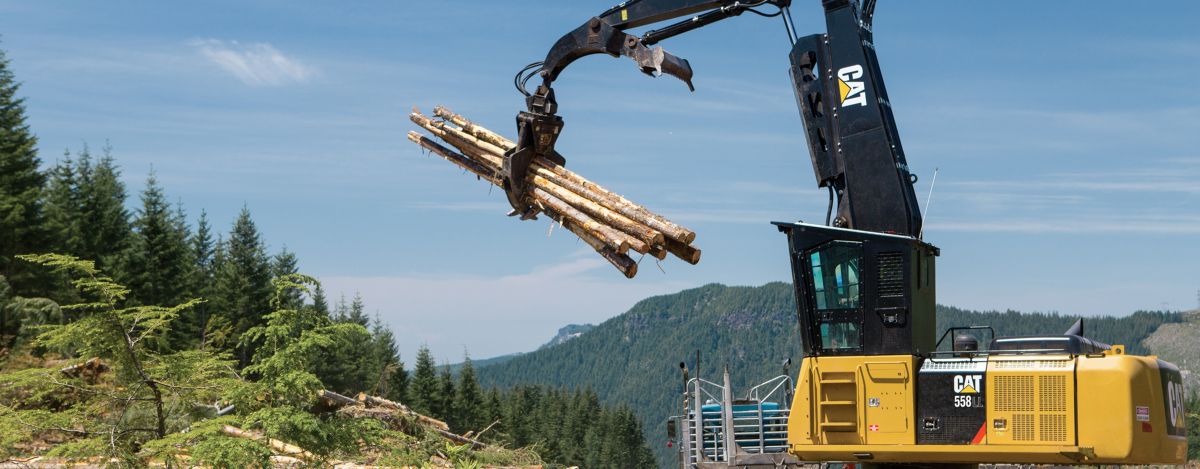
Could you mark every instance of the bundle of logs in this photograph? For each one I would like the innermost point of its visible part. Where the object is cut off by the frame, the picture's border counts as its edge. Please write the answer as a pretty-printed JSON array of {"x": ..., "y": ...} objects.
[{"x": 609, "y": 223}]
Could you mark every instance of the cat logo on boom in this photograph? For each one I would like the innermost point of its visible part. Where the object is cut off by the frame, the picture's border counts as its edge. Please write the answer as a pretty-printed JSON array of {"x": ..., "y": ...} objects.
[
  {"x": 967, "y": 384},
  {"x": 852, "y": 89}
]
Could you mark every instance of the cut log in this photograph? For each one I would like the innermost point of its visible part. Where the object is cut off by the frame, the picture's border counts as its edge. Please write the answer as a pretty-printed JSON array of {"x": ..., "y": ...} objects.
[
  {"x": 612, "y": 242},
  {"x": 485, "y": 430},
  {"x": 285, "y": 448},
  {"x": 689, "y": 254},
  {"x": 624, "y": 206},
  {"x": 659, "y": 252},
  {"x": 336, "y": 399},
  {"x": 475, "y": 148},
  {"x": 614, "y": 239},
  {"x": 640, "y": 237},
  {"x": 88, "y": 370},
  {"x": 622, "y": 262},
  {"x": 479, "y": 132},
  {"x": 454, "y": 157},
  {"x": 462, "y": 440},
  {"x": 372, "y": 401}
]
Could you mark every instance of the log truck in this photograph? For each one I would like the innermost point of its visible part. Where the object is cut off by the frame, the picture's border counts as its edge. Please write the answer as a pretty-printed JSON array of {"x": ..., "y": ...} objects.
[{"x": 875, "y": 386}]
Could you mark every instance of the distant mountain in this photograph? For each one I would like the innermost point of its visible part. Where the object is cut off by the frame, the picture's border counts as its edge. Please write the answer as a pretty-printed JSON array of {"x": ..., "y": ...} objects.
[
  {"x": 633, "y": 359},
  {"x": 568, "y": 332},
  {"x": 565, "y": 333}
]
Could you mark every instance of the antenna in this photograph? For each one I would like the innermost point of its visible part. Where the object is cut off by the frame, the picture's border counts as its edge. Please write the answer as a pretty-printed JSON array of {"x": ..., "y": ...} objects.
[{"x": 928, "y": 199}]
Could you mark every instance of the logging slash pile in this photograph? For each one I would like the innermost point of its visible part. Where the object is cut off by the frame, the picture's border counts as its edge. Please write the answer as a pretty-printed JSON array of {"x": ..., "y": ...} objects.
[{"x": 609, "y": 223}]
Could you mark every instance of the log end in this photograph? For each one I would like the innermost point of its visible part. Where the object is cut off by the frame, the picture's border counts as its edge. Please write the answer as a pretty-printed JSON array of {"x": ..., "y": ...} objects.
[{"x": 631, "y": 271}]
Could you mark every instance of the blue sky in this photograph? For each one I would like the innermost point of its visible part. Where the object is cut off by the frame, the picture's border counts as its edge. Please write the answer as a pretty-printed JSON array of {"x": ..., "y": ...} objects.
[{"x": 1066, "y": 134}]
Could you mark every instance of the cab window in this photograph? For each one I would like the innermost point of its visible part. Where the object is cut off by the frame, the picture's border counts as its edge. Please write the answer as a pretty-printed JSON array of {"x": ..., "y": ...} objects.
[
  {"x": 835, "y": 274},
  {"x": 840, "y": 336}
]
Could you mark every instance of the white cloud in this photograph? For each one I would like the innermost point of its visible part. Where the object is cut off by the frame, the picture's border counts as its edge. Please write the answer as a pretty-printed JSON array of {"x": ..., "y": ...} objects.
[{"x": 256, "y": 64}]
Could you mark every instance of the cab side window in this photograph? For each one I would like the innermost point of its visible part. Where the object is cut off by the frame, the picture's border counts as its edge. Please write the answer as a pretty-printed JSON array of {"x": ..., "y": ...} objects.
[
  {"x": 840, "y": 336},
  {"x": 835, "y": 276}
]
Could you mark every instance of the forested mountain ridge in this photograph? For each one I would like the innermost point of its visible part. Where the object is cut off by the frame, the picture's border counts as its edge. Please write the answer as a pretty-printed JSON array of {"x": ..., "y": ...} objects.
[
  {"x": 633, "y": 358},
  {"x": 567, "y": 332}
]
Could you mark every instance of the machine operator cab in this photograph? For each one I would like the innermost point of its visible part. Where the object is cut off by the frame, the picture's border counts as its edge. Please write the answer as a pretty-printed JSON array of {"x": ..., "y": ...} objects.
[
  {"x": 862, "y": 293},
  {"x": 874, "y": 387}
]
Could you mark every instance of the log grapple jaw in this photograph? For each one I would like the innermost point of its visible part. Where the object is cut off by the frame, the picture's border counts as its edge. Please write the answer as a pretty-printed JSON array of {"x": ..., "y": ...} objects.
[
  {"x": 537, "y": 131},
  {"x": 538, "y": 127}
]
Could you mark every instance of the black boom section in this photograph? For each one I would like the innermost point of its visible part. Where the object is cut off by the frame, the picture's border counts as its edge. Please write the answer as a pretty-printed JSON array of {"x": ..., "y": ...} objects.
[{"x": 852, "y": 137}]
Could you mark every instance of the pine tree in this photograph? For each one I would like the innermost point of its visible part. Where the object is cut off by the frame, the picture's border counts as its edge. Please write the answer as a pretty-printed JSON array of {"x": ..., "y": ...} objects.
[
  {"x": 286, "y": 263},
  {"x": 64, "y": 206},
  {"x": 580, "y": 414},
  {"x": 217, "y": 329},
  {"x": 445, "y": 408},
  {"x": 423, "y": 390},
  {"x": 493, "y": 408},
  {"x": 285, "y": 389},
  {"x": 391, "y": 380},
  {"x": 22, "y": 220},
  {"x": 203, "y": 255},
  {"x": 105, "y": 228},
  {"x": 353, "y": 363},
  {"x": 21, "y": 318},
  {"x": 319, "y": 303},
  {"x": 159, "y": 264},
  {"x": 243, "y": 283},
  {"x": 358, "y": 314},
  {"x": 469, "y": 398},
  {"x": 341, "y": 310},
  {"x": 397, "y": 382}
]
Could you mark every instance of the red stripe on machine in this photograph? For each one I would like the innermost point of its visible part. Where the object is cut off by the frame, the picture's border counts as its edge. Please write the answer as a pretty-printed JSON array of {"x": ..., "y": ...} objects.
[{"x": 980, "y": 434}]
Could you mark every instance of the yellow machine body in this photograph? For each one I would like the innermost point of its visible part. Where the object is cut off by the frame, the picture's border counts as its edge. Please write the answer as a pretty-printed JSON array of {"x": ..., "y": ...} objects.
[{"x": 1106, "y": 408}]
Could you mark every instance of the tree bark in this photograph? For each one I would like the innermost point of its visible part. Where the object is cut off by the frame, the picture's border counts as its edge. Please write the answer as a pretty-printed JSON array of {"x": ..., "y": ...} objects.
[
  {"x": 622, "y": 262},
  {"x": 689, "y": 254},
  {"x": 479, "y": 132},
  {"x": 336, "y": 399},
  {"x": 285, "y": 448},
  {"x": 372, "y": 401},
  {"x": 454, "y": 157},
  {"x": 614, "y": 239}
]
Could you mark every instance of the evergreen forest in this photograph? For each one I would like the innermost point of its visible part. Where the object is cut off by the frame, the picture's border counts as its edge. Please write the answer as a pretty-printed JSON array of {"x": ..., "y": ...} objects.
[{"x": 130, "y": 335}]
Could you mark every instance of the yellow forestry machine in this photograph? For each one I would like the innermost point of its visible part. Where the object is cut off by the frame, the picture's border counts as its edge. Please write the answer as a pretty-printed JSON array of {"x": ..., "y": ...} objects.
[{"x": 876, "y": 385}]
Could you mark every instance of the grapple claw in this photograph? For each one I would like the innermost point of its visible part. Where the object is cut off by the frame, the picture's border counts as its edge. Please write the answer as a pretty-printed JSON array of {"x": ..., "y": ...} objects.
[{"x": 536, "y": 134}]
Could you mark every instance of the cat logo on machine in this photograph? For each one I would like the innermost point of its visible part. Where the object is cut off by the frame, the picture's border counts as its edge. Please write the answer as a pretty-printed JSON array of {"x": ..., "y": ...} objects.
[
  {"x": 1175, "y": 404},
  {"x": 851, "y": 87},
  {"x": 967, "y": 384}
]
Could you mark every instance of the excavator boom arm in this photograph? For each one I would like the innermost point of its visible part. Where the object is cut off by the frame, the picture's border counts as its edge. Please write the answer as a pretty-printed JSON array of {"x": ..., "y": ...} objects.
[{"x": 851, "y": 133}]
